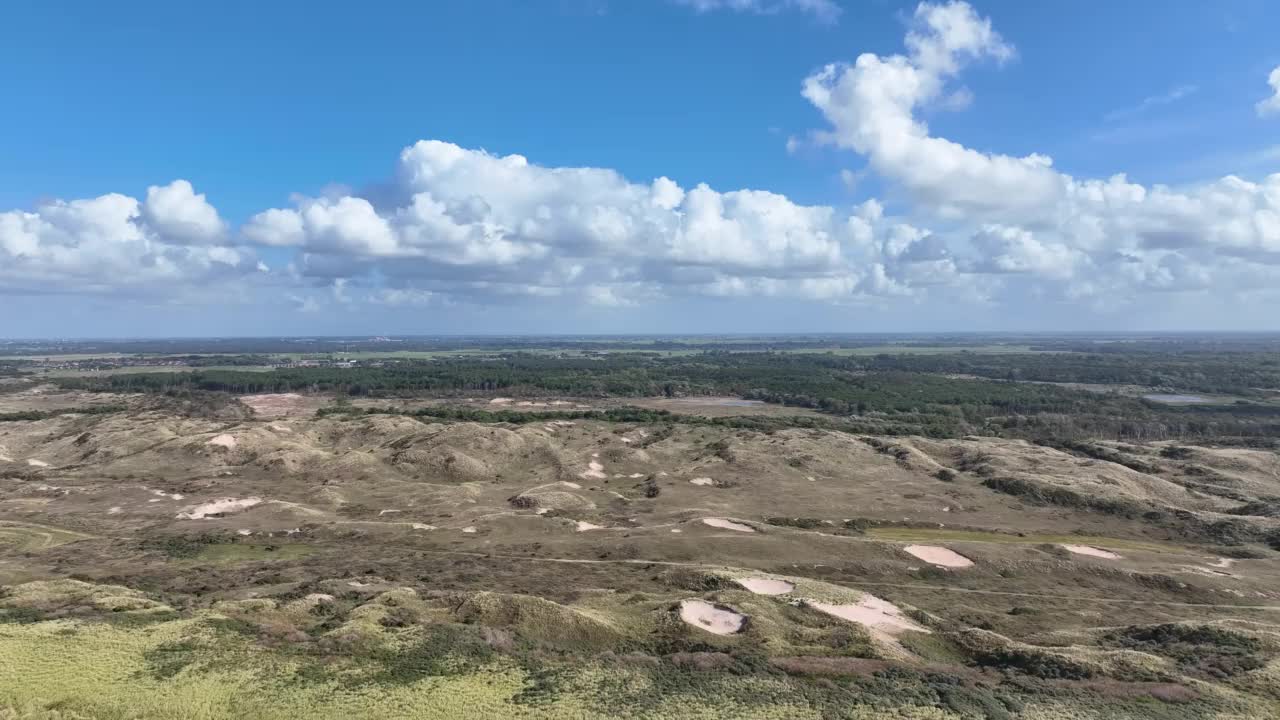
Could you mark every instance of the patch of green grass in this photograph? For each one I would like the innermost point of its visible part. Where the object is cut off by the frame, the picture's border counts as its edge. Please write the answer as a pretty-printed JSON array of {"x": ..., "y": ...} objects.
[{"x": 27, "y": 537}]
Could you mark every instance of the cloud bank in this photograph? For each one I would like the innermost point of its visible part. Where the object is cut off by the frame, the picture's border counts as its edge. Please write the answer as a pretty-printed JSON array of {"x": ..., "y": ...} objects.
[{"x": 454, "y": 224}]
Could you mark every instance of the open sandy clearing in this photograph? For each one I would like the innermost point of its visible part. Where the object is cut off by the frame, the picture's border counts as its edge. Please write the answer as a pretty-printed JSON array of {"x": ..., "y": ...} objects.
[
  {"x": 766, "y": 586},
  {"x": 1222, "y": 563},
  {"x": 5, "y": 458},
  {"x": 583, "y": 526},
  {"x": 218, "y": 507},
  {"x": 727, "y": 524},
  {"x": 594, "y": 471},
  {"x": 1092, "y": 551},
  {"x": 939, "y": 556},
  {"x": 879, "y": 615},
  {"x": 37, "y": 463},
  {"x": 703, "y": 481},
  {"x": 223, "y": 440},
  {"x": 272, "y": 403},
  {"x": 718, "y": 620}
]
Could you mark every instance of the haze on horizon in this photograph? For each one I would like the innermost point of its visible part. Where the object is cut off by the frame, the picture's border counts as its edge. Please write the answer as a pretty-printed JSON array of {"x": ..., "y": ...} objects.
[{"x": 673, "y": 166}]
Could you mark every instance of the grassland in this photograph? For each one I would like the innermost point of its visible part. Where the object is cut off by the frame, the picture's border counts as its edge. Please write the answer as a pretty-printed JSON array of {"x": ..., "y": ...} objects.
[
  {"x": 26, "y": 537},
  {"x": 947, "y": 535}
]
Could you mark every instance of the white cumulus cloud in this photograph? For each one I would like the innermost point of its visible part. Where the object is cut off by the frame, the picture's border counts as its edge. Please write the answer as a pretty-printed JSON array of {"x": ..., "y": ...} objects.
[
  {"x": 1271, "y": 105},
  {"x": 115, "y": 243},
  {"x": 1020, "y": 214},
  {"x": 467, "y": 222}
]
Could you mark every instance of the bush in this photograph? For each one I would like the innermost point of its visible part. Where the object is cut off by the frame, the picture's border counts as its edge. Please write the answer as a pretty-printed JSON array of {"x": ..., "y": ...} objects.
[{"x": 1202, "y": 651}]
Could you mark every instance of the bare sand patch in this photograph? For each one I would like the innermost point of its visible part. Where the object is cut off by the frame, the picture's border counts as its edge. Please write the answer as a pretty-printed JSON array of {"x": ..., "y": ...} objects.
[
  {"x": 1222, "y": 563},
  {"x": 37, "y": 463},
  {"x": 5, "y": 458},
  {"x": 939, "y": 556},
  {"x": 500, "y": 401},
  {"x": 879, "y": 615},
  {"x": 727, "y": 524},
  {"x": 713, "y": 619},
  {"x": 1091, "y": 551},
  {"x": 115, "y": 510},
  {"x": 766, "y": 586},
  {"x": 422, "y": 526},
  {"x": 572, "y": 485},
  {"x": 171, "y": 496},
  {"x": 218, "y": 507},
  {"x": 703, "y": 481},
  {"x": 583, "y": 526},
  {"x": 272, "y": 403},
  {"x": 594, "y": 471},
  {"x": 469, "y": 529},
  {"x": 223, "y": 440}
]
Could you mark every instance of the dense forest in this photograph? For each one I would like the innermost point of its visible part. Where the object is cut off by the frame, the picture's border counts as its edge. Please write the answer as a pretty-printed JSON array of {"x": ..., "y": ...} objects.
[
  {"x": 885, "y": 393},
  {"x": 1234, "y": 373}
]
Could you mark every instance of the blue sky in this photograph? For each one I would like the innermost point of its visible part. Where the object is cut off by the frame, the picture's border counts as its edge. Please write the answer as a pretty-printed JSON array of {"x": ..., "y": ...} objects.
[{"x": 305, "y": 108}]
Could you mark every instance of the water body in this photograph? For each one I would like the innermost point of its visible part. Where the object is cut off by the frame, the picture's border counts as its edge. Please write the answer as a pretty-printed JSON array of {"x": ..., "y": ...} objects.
[{"x": 1157, "y": 397}]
